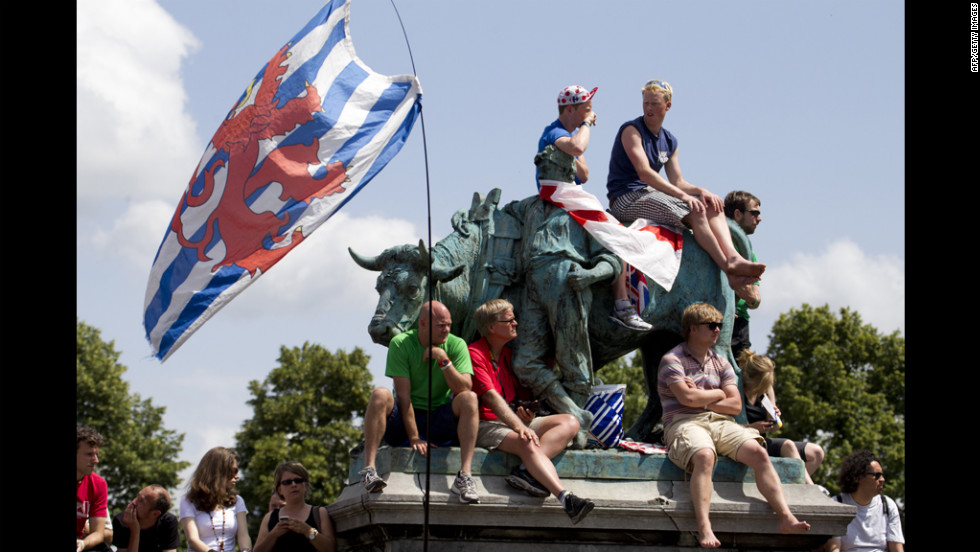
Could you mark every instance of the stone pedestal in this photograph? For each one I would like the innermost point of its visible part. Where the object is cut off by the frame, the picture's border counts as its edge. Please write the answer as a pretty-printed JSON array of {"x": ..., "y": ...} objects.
[{"x": 642, "y": 501}]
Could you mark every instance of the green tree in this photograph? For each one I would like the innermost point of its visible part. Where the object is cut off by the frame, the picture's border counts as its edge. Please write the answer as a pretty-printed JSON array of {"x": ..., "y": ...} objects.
[
  {"x": 138, "y": 450},
  {"x": 630, "y": 373},
  {"x": 841, "y": 383},
  {"x": 304, "y": 411}
]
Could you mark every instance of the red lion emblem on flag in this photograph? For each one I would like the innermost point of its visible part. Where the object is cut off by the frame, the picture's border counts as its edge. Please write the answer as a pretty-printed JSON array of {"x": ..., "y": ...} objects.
[{"x": 240, "y": 136}]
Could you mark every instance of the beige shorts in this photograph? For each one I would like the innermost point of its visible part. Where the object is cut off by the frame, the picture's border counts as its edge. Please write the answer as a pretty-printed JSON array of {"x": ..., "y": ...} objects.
[
  {"x": 492, "y": 432},
  {"x": 689, "y": 433}
]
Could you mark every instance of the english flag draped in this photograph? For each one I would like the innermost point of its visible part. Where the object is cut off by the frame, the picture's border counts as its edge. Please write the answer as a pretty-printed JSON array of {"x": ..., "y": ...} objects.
[
  {"x": 652, "y": 249},
  {"x": 313, "y": 127}
]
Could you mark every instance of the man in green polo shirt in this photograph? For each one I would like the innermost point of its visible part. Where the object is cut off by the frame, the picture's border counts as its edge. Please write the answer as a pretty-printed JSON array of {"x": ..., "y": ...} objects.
[
  {"x": 744, "y": 209},
  {"x": 401, "y": 418}
]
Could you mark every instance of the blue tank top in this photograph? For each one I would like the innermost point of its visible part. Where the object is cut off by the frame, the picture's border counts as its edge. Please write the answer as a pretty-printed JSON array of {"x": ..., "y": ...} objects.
[{"x": 622, "y": 176}]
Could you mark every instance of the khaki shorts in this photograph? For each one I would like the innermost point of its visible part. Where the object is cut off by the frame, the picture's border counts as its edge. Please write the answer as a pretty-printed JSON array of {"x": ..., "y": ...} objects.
[
  {"x": 492, "y": 432},
  {"x": 689, "y": 433}
]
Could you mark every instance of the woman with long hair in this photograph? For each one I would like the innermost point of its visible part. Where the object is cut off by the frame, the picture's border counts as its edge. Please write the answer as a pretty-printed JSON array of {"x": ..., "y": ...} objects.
[
  {"x": 759, "y": 376},
  {"x": 212, "y": 514},
  {"x": 295, "y": 526}
]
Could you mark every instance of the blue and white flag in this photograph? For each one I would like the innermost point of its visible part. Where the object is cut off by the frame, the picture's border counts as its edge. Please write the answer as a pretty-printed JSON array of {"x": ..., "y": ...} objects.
[{"x": 311, "y": 129}]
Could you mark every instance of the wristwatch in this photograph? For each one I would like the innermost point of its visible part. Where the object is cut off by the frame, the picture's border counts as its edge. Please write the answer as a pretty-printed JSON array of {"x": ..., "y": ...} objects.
[
  {"x": 313, "y": 533},
  {"x": 443, "y": 364}
]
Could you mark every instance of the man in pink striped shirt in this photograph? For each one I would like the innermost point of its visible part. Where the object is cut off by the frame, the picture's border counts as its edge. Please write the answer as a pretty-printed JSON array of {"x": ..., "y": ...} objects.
[{"x": 699, "y": 392}]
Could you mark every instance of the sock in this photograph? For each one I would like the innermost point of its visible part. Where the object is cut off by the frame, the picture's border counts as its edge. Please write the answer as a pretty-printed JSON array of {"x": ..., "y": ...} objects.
[
  {"x": 623, "y": 304},
  {"x": 561, "y": 497}
]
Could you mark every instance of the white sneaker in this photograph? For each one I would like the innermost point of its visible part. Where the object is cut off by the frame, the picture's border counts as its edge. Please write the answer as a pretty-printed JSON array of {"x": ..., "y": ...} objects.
[
  {"x": 371, "y": 480},
  {"x": 629, "y": 319},
  {"x": 466, "y": 489}
]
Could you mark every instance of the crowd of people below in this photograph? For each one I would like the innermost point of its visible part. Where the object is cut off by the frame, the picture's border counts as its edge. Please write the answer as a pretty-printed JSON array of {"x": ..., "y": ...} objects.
[
  {"x": 211, "y": 514},
  {"x": 479, "y": 399}
]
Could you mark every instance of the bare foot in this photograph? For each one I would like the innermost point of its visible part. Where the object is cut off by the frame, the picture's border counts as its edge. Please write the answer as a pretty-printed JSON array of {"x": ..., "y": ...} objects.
[
  {"x": 792, "y": 526},
  {"x": 707, "y": 539},
  {"x": 738, "y": 266},
  {"x": 737, "y": 282}
]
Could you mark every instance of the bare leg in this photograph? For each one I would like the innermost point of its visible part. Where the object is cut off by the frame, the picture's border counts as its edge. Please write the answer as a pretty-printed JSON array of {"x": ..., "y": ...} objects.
[
  {"x": 380, "y": 405},
  {"x": 721, "y": 250},
  {"x": 814, "y": 457},
  {"x": 703, "y": 463},
  {"x": 619, "y": 285},
  {"x": 536, "y": 462},
  {"x": 465, "y": 409},
  {"x": 555, "y": 433},
  {"x": 788, "y": 450},
  {"x": 754, "y": 456}
]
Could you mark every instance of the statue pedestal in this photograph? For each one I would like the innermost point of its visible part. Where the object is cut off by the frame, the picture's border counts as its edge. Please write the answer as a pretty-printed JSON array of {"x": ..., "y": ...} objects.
[{"x": 642, "y": 501}]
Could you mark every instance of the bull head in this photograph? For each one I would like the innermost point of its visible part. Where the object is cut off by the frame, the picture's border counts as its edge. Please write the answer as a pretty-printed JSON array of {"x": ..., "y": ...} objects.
[{"x": 401, "y": 287}]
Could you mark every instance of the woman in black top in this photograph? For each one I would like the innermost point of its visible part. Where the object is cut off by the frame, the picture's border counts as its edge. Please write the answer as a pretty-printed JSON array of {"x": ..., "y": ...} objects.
[
  {"x": 296, "y": 526},
  {"x": 759, "y": 376}
]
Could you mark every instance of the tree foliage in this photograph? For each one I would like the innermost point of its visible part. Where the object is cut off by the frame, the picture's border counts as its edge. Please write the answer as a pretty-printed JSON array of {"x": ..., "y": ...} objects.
[
  {"x": 841, "y": 384},
  {"x": 138, "y": 451},
  {"x": 304, "y": 411},
  {"x": 630, "y": 373}
]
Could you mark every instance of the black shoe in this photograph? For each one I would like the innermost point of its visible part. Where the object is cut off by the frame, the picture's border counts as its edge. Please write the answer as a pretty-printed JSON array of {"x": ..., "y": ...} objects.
[
  {"x": 577, "y": 508},
  {"x": 521, "y": 479}
]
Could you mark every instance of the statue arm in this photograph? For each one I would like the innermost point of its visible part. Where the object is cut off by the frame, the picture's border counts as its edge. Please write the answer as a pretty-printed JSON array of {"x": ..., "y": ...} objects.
[{"x": 580, "y": 278}]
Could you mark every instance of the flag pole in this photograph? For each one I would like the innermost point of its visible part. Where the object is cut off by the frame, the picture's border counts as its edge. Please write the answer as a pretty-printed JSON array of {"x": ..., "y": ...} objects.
[{"x": 431, "y": 290}]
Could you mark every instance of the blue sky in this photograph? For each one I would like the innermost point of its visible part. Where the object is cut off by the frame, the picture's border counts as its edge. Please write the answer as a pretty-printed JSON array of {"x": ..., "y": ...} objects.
[{"x": 800, "y": 103}]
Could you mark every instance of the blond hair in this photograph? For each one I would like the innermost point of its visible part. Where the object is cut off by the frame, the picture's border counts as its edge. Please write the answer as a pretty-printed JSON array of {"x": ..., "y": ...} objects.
[
  {"x": 699, "y": 313},
  {"x": 759, "y": 373},
  {"x": 662, "y": 86},
  {"x": 487, "y": 313}
]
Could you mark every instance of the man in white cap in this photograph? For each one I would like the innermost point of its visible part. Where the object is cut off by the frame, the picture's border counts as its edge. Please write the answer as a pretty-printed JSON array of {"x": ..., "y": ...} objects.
[
  {"x": 562, "y": 261},
  {"x": 561, "y": 158}
]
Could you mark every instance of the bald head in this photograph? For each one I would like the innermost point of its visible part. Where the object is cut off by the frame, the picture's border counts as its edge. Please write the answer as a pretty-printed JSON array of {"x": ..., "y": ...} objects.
[{"x": 440, "y": 326}]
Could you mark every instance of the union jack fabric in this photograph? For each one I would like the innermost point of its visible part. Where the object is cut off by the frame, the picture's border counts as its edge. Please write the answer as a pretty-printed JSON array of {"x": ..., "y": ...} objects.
[
  {"x": 312, "y": 128},
  {"x": 653, "y": 250}
]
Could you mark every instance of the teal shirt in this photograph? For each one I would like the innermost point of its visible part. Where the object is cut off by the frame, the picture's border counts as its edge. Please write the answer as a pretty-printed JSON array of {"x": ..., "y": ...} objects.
[{"x": 405, "y": 360}]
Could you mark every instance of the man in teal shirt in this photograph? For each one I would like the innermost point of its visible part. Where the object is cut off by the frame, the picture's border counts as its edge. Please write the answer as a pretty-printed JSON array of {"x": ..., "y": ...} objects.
[
  {"x": 744, "y": 209},
  {"x": 401, "y": 418}
]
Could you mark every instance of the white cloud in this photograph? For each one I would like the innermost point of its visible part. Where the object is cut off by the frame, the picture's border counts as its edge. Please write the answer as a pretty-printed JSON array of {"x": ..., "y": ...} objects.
[
  {"x": 134, "y": 137},
  {"x": 320, "y": 275},
  {"x": 842, "y": 276},
  {"x": 136, "y": 235}
]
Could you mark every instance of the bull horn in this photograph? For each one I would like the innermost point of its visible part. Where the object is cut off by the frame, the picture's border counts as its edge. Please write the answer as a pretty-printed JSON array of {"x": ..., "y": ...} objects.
[
  {"x": 443, "y": 274},
  {"x": 439, "y": 273},
  {"x": 370, "y": 263},
  {"x": 423, "y": 255}
]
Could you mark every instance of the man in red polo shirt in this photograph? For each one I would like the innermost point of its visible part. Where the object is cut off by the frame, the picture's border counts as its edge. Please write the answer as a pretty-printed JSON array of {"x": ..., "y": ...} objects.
[{"x": 92, "y": 491}]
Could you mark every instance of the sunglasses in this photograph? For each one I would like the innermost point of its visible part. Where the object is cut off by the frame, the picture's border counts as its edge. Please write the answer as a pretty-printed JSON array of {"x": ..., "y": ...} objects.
[
  {"x": 878, "y": 475},
  {"x": 508, "y": 321},
  {"x": 659, "y": 83},
  {"x": 712, "y": 325},
  {"x": 288, "y": 482},
  {"x": 754, "y": 212}
]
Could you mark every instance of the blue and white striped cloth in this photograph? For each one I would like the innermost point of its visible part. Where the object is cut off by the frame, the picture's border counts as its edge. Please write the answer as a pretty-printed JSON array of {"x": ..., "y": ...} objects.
[{"x": 311, "y": 129}]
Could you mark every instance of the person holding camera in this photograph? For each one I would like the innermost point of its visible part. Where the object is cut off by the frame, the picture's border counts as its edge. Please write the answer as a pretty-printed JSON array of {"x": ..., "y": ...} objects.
[
  {"x": 296, "y": 526},
  {"x": 508, "y": 419}
]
